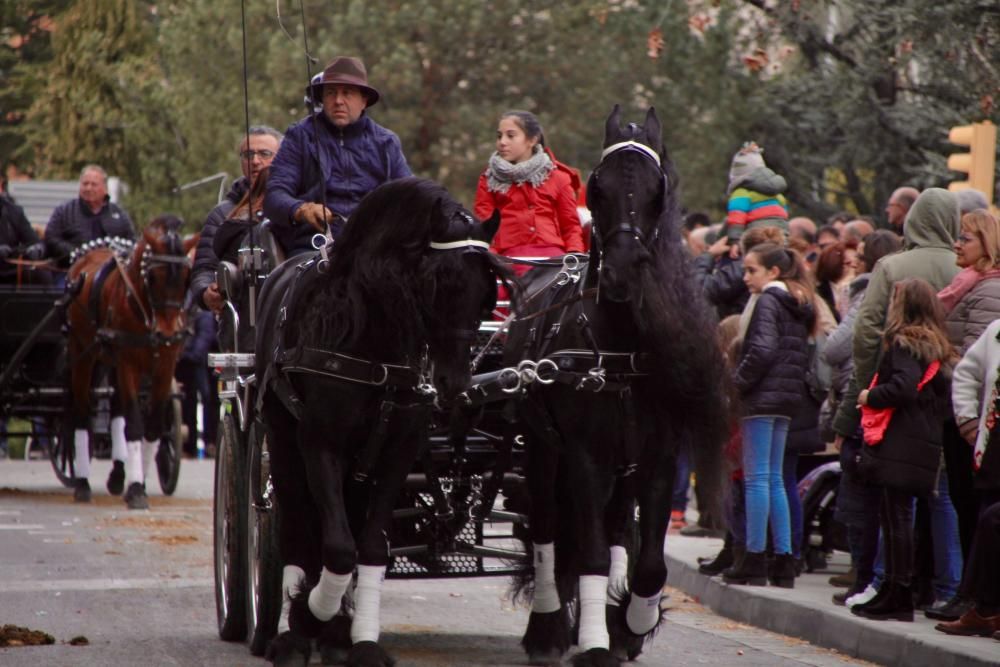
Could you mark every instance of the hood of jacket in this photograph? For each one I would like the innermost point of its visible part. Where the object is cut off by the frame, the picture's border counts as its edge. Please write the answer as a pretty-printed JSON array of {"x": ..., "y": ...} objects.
[
  {"x": 933, "y": 220},
  {"x": 764, "y": 181},
  {"x": 799, "y": 311}
]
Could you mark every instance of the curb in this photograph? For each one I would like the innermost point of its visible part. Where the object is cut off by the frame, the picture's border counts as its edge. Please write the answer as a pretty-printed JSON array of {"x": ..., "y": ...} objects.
[{"x": 882, "y": 642}]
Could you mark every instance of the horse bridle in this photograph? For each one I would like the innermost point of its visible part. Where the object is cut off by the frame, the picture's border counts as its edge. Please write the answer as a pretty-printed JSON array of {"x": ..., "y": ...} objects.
[{"x": 629, "y": 227}]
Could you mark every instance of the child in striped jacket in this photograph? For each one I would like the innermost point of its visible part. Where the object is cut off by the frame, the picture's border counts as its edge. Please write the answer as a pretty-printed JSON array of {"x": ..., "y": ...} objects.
[{"x": 755, "y": 195}]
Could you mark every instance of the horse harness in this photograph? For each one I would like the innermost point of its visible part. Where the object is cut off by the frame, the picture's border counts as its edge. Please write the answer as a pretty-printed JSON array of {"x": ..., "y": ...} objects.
[{"x": 404, "y": 386}]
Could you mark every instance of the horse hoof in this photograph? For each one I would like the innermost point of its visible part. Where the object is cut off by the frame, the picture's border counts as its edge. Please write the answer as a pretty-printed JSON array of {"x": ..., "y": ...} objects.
[
  {"x": 81, "y": 492},
  {"x": 625, "y": 645},
  {"x": 289, "y": 650},
  {"x": 136, "y": 497},
  {"x": 369, "y": 654},
  {"x": 116, "y": 480},
  {"x": 595, "y": 657},
  {"x": 334, "y": 641},
  {"x": 547, "y": 637}
]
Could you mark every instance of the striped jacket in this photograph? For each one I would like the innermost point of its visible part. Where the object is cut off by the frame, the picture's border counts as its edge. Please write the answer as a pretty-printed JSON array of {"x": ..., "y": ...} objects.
[{"x": 757, "y": 201}]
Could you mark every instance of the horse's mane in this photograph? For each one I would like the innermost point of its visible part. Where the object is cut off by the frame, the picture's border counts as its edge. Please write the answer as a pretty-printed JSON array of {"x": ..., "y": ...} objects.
[
  {"x": 376, "y": 268},
  {"x": 677, "y": 328}
]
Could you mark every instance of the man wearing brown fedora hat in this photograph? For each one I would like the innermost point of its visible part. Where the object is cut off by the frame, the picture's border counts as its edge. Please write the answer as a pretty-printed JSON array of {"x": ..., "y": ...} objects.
[{"x": 331, "y": 159}]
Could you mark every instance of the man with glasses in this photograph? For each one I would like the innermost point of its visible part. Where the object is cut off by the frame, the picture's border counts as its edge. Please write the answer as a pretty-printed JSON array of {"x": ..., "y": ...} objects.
[
  {"x": 256, "y": 150},
  {"x": 331, "y": 159}
]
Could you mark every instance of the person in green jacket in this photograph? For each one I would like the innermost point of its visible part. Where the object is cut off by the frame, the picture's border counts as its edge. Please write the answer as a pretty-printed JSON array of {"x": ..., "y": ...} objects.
[{"x": 932, "y": 225}]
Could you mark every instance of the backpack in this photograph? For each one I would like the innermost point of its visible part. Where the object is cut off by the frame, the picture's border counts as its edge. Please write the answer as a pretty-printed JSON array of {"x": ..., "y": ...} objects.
[{"x": 819, "y": 374}]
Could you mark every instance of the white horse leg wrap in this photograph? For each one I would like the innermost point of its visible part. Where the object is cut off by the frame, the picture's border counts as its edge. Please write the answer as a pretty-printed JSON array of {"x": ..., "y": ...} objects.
[
  {"x": 81, "y": 456},
  {"x": 291, "y": 579},
  {"x": 133, "y": 462},
  {"x": 118, "y": 449},
  {"x": 546, "y": 597},
  {"x": 149, "y": 449},
  {"x": 618, "y": 576},
  {"x": 593, "y": 625},
  {"x": 365, "y": 626},
  {"x": 324, "y": 600},
  {"x": 643, "y": 614}
]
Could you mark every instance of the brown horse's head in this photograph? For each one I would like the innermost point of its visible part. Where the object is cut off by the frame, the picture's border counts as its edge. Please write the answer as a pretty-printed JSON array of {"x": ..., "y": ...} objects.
[{"x": 164, "y": 268}]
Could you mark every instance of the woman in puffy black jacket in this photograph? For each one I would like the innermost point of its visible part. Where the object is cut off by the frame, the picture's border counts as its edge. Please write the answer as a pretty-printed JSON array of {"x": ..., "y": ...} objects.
[{"x": 770, "y": 377}]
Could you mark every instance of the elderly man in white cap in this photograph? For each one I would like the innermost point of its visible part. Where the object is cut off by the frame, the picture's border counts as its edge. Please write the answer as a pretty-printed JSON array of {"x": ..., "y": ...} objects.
[{"x": 331, "y": 159}]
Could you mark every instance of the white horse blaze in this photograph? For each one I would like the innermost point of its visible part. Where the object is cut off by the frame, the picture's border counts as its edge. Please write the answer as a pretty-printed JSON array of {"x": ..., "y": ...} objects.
[
  {"x": 618, "y": 575},
  {"x": 643, "y": 614},
  {"x": 546, "y": 597},
  {"x": 81, "y": 458},
  {"x": 367, "y": 602},
  {"x": 324, "y": 600},
  {"x": 593, "y": 624}
]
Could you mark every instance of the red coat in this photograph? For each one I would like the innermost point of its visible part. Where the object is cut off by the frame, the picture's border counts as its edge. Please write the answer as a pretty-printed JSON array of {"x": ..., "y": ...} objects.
[{"x": 530, "y": 216}]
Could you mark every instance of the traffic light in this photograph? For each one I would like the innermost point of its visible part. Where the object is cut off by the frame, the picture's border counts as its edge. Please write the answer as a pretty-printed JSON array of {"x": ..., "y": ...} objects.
[{"x": 979, "y": 162}]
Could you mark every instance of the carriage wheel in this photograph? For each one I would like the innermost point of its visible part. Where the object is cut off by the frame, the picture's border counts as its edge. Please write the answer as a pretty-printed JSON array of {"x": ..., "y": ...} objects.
[
  {"x": 168, "y": 456},
  {"x": 229, "y": 521},
  {"x": 61, "y": 450},
  {"x": 264, "y": 595}
]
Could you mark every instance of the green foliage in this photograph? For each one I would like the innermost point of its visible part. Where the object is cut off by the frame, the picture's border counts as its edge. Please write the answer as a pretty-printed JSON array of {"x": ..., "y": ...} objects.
[{"x": 849, "y": 98}]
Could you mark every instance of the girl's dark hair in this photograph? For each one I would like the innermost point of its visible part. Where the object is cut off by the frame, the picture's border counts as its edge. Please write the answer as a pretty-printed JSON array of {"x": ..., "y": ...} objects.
[
  {"x": 791, "y": 267},
  {"x": 916, "y": 318},
  {"x": 528, "y": 122},
  {"x": 878, "y": 244},
  {"x": 253, "y": 198}
]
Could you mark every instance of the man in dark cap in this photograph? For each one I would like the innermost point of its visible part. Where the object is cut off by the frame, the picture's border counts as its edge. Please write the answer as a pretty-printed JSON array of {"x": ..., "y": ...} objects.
[{"x": 331, "y": 159}]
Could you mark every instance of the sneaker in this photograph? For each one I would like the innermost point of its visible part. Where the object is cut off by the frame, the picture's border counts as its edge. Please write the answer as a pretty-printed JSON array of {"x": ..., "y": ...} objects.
[
  {"x": 863, "y": 597},
  {"x": 677, "y": 520},
  {"x": 948, "y": 610}
]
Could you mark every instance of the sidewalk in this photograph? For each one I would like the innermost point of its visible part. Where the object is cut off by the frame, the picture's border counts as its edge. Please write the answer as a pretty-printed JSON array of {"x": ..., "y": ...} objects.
[{"x": 808, "y": 612}]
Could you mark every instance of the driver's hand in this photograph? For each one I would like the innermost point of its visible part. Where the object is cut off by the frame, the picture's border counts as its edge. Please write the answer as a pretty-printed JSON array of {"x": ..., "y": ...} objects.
[
  {"x": 212, "y": 298},
  {"x": 316, "y": 215}
]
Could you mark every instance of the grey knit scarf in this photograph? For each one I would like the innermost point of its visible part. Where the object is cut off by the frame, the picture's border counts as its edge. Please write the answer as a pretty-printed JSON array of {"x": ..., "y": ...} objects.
[{"x": 500, "y": 174}]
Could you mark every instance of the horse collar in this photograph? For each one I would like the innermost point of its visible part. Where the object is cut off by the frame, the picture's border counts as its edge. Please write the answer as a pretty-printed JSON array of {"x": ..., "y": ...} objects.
[{"x": 454, "y": 245}]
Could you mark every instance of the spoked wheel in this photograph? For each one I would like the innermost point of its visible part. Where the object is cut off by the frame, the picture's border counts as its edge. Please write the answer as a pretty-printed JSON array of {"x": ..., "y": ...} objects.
[
  {"x": 229, "y": 521},
  {"x": 264, "y": 595},
  {"x": 61, "y": 450},
  {"x": 168, "y": 456}
]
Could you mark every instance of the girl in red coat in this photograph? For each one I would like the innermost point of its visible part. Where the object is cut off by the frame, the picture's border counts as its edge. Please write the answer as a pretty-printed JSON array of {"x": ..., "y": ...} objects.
[{"x": 536, "y": 194}]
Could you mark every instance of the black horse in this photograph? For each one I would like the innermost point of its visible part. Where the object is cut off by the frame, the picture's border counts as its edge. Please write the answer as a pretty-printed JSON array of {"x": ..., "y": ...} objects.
[
  {"x": 622, "y": 373},
  {"x": 353, "y": 350}
]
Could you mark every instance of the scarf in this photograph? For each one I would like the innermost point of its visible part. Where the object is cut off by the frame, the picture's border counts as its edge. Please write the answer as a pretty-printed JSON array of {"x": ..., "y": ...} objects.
[
  {"x": 960, "y": 285},
  {"x": 747, "y": 313},
  {"x": 500, "y": 174}
]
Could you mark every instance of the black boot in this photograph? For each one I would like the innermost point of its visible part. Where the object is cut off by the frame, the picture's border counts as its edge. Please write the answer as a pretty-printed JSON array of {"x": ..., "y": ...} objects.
[
  {"x": 723, "y": 560},
  {"x": 782, "y": 571},
  {"x": 895, "y": 605},
  {"x": 751, "y": 569}
]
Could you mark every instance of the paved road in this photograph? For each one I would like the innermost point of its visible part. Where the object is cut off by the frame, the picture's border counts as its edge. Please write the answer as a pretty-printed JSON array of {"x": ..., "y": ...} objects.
[{"x": 138, "y": 586}]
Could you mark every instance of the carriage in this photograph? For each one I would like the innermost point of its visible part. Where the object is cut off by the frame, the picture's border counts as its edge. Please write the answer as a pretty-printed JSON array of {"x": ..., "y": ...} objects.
[{"x": 34, "y": 386}]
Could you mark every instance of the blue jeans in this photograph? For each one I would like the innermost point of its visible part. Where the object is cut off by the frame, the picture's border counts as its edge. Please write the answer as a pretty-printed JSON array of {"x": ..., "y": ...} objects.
[
  {"x": 945, "y": 540},
  {"x": 682, "y": 482},
  {"x": 790, "y": 475},
  {"x": 763, "y": 457}
]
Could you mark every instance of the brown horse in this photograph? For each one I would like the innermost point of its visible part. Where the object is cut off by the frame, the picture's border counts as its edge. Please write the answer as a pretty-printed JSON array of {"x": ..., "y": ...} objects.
[{"x": 129, "y": 316}]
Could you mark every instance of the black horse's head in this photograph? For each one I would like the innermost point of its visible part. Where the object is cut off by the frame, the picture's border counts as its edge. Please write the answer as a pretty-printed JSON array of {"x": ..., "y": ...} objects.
[
  {"x": 459, "y": 290},
  {"x": 627, "y": 194}
]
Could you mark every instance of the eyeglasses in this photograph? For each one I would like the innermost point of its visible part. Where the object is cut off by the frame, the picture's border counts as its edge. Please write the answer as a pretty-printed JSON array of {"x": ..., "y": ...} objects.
[
  {"x": 965, "y": 238},
  {"x": 264, "y": 155}
]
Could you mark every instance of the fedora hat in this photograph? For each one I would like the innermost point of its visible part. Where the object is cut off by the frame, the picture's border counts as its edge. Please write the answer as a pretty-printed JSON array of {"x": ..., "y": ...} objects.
[{"x": 347, "y": 71}]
